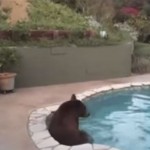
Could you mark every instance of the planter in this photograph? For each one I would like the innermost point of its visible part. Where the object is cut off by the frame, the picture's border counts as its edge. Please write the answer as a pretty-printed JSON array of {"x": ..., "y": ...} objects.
[{"x": 7, "y": 82}]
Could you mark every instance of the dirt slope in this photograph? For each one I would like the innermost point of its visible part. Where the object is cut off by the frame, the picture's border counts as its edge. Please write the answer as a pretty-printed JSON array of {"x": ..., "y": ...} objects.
[{"x": 18, "y": 9}]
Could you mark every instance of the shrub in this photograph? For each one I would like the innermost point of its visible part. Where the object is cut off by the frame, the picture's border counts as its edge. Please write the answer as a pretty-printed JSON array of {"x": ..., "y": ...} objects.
[
  {"x": 141, "y": 24},
  {"x": 140, "y": 64},
  {"x": 146, "y": 9},
  {"x": 3, "y": 20},
  {"x": 70, "y": 3},
  {"x": 49, "y": 15},
  {"x": 8, "y": 58}
]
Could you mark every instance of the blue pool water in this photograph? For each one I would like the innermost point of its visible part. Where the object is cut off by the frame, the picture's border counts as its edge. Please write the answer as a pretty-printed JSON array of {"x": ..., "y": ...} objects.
[{"x": 120, "y": 119}]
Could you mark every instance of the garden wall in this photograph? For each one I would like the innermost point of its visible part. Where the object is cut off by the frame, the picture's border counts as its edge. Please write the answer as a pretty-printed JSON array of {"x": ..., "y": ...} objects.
[{"x": 45, "y": 66}]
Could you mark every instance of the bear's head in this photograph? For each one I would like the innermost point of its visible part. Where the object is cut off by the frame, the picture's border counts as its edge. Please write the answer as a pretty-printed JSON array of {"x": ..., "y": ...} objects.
[{"x": 78, "y": 107}]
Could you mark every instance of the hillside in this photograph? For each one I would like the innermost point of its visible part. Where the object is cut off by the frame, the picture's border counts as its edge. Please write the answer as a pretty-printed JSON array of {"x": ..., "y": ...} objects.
[
  {"x": 42, "y": 14},
  {"x": 18, "y": 9},
  {"x": 97, "y": 8}
]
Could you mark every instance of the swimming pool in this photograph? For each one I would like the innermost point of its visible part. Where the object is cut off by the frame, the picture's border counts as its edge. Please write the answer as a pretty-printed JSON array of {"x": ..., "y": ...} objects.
[{"x": 120, "y": 118}]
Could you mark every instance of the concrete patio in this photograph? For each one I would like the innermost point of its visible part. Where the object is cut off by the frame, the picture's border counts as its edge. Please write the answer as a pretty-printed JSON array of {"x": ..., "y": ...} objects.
[{"x": 16, "y": 107}]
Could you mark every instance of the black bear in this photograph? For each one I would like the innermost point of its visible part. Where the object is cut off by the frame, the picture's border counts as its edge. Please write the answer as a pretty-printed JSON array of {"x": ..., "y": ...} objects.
[{"x": 63, "y": 124}]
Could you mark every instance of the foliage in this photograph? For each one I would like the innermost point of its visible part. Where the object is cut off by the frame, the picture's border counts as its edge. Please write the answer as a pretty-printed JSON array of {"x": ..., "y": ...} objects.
[
  {"x": 140, "y": 22},
  {"x": 140, "y": 64},
  {"x": 99, "y": 9},
  {"x": 131, "y": 11},
  {"x": 70, "y": 3},
  {"x": 141, "y": 58},
  {"x": 45, "y": 14},
  {"x": 62, "y": 42},
  {"x": 146, "y": 9},
  {"x": 131, "y": 8},
  {"x": 77, "y": 5},
  {"x": 96, "y": 8},
  {"x": 120, "y": 17},
  {"x": 129, "y": 3},
  {"x": 142, "y": 49},
  {"x": 114, "y": 33},
  {"x": 3, "y": 20},
  {"x": 119, "y": 3},
  {"x": 20, "y": 32},
  {"x": 8, "y": 58},
  {"x": 49, "y": 15},
  {"x": 138, "y": 4}
]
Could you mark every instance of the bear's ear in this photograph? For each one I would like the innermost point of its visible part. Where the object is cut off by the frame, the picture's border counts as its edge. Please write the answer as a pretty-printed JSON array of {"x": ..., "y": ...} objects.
[{"x": 73, "y": 97}]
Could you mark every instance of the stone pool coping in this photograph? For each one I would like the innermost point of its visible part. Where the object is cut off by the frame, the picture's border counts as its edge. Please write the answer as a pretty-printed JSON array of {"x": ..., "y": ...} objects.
[{"x": 42, "y": 138}]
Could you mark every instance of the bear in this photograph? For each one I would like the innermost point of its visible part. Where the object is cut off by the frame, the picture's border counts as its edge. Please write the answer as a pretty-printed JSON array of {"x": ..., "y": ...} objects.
[{"x": 63, "y": 124}]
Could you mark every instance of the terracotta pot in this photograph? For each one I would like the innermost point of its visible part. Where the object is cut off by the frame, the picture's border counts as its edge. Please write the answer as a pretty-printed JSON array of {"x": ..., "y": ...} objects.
[{"x": 7, "y": 81}]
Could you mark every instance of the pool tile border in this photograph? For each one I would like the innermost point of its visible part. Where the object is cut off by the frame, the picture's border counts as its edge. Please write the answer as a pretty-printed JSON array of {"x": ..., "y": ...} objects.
[{"x": 44, "y": 141}]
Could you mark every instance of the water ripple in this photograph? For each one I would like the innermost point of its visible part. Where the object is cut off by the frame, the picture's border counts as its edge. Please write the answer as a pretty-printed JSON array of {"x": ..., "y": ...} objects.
[{"x": 120, "y": 119}]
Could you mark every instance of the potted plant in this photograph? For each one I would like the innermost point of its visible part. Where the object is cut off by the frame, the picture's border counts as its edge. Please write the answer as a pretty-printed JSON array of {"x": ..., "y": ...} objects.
[{"x": 8, "y": 58}]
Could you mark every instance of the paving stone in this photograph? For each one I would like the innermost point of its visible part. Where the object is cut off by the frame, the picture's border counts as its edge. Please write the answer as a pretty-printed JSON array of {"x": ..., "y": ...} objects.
[
  {"x": 62, "y": 147},
  {"x": 37, "y": 127},
  {"x": 34, "y": 116},
  {"x": 100, "y": 147},
  {"x": 113, "y": 148},
  {"x": 80, "y": 96},
  {"x": 49, "y": 142},
  {"x": 41, "y": 119},
  {"x": 126, "y": 84},
  {"x": 49, "y": 148},
  {"x": 82, "y": 147},
  {"x": 38, "y": 119},
  {"x": 136, "y": 83},
  {"x": 101, "y": 89},
  {"x": 32, "y": 122},
  {"x": 91, "y": 92},
  {"x": 88, "y": 93},
  {"x": 98, "y": 90},
  {"x": 106, "y": 88},
  {"x": 40, "y": 136},
  {"x": 52, "y": 108},
  {"x": 146, "y": 83},
  {"x": 118, "y": 86},
  {"x": 42, "y": 111}
]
